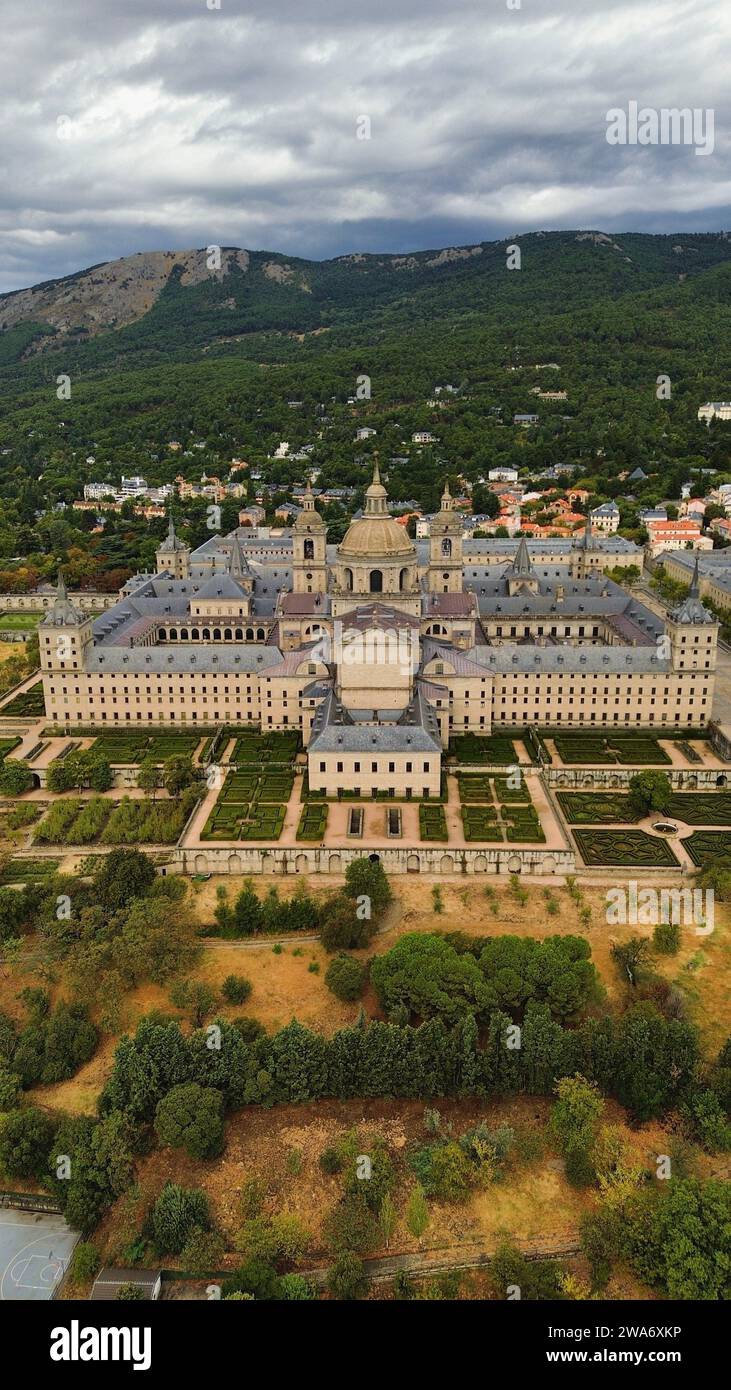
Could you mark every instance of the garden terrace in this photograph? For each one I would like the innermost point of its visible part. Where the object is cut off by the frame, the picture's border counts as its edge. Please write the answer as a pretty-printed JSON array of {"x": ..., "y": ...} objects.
[
  {"x": 701, "y": 808},
  {"x": 633, "y": 848},
  {"x": 7, "y": 745},
  {"x": 251, "y": 806}
]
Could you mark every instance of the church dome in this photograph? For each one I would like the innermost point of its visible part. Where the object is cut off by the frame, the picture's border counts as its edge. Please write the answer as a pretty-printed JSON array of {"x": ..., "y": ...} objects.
[{"x": 376, "y": 535}]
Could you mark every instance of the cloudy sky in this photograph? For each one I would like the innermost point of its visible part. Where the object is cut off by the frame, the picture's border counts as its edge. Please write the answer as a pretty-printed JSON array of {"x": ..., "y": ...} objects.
[{"x": 161, "y": 124}]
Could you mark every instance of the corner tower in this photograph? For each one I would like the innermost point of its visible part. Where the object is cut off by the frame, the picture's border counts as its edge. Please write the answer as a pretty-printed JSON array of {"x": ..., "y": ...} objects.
[{"x": 309, "y": 567}]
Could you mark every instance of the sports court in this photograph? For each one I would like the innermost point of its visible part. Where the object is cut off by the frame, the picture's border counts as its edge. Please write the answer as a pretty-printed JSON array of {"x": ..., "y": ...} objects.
[{"x": 35, "y": 1248}]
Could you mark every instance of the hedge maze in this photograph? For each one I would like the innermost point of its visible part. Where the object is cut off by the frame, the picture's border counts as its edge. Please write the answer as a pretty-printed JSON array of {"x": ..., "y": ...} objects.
[
  {"x": 597, "y": 808},
  {"x": 492, "y": 811},
  {"x": 631, "y": 847}
]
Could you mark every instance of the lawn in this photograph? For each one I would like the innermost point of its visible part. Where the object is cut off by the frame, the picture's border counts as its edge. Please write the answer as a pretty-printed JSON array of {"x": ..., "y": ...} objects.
[
  {"x": 630, "y": 847},
  {"x": 7, "y": 745}
]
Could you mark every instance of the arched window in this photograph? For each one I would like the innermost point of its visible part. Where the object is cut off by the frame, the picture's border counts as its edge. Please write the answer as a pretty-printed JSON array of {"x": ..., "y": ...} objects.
[
  {"x": 227, "y": 635},
  {"x": 446, "y": 548},
  {"x": 349, "y": 581},
  {"x": 194, "y": 634},
  {"x": 260, "y": 634},
  {"x": 376, "y": 582},
  {"x": 216, "y": 634},
  {"x": 206, "y": 634},
  {"x": 239, "y": 634},
  {"x": 309, "y": 550},
  {"x": 184, "y": 634},
  {"x": 403, "y": 580},
  {"x": 249, "y": 634}
]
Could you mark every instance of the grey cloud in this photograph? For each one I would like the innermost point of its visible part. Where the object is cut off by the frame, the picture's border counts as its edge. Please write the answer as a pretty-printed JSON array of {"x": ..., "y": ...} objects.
[{"x": 238, "y": 125}]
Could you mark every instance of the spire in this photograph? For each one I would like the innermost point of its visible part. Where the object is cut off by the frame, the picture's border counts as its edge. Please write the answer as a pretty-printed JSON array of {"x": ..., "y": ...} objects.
[
  {"x": 237, "y": 565},
  {"x": 587, "y": 531},
  {"x": 308, "y": 501},
  {"x": 694, "y": 586},
  {"x": 446, "y": 498},
  {"x": 171, "y": 529},
  {"x": 522, "y": 562},
  {"x": 376, "y": 495},
  {"x": 63, "y": 613}
]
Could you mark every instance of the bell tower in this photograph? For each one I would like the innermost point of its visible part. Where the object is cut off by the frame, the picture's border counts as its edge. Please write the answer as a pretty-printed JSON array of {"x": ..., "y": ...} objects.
[
  {"x": 309, "y": 564},
  {"x": 446, "y": 574}
]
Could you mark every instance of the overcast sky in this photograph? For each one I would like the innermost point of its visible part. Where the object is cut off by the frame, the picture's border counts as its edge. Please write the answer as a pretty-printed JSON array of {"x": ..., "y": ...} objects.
[{"x": 163, "y": 124}]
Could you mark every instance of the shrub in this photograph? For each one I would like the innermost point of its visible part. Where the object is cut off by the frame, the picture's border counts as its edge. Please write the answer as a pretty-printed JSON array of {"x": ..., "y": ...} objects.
[
  {"x": 666, "y": 938},
  {"x": 84, "y": 1262},
  {"x": 236, "y": 989},
  {"x": 191, "y": 1117},
  {"x": 176, "y": 1214},
  {"x": 443, "y": 1169},
  {"x": 346, "y": 977},
  {"x": 347, "y": 1278},
  {"x": 342, "y": 929},
  {"x": 25, "y": 1139},
  {"x": 331, "y": 1160}
]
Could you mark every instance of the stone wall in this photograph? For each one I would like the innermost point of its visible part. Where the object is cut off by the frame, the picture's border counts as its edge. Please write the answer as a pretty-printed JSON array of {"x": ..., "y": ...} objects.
[
  {"x": 40, "y": 603},
  {"x": 395, "y": 860},
  {"x": 617, "y": 778}
]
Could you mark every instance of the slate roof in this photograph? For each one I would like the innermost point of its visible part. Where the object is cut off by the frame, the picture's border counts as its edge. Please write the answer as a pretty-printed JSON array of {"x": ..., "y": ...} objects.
[{"x": 412, "y": 730}]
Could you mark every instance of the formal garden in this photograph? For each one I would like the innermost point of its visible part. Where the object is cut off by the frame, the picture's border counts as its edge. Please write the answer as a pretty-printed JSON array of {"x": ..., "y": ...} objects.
[
  {"x": 432, "y": 823},
  {"x": 617, "y": 808},
  {"x": 255, "y": 747},
  {"x": 28, "y": 704},
  {"x": 495, "y": 809},
  {"x": 250, "y": 806},
  {"x": 7, "y": 745},
  {"x": 313, "y": 822},
  {"x": 120, "y": 747},
  {"x": 633, "y": 848},
  {"x": 633, "y": 748},
  {"x": 709, "y": 847},
  {"x": 483, "y": 748}
]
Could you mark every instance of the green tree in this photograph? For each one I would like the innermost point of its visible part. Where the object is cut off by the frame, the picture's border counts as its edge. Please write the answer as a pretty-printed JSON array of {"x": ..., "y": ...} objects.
[
  {"x": 25, "y": 1140},
  {"x": 15, "y": 777},
  {"x": 417, "y": 1212},
  {"x": 177, "y": 1213},
  {"x": 191, "y": 1117},
  {"x": 346, "y": 1278},
  {"x": 649, "y": 791},
  {"x": 346, "y": 977}
]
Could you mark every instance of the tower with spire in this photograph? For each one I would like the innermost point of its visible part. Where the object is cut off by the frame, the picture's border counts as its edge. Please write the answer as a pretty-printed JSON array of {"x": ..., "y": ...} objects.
[
  {"x": 309, "y": 560},
  {"x": 693, "y": 631},
  {"x": 65, "y": 636},
  {"x": 446, "y": 572},
  {"x": 173, "y": 555},
  {"x": 520, "y": 576}
]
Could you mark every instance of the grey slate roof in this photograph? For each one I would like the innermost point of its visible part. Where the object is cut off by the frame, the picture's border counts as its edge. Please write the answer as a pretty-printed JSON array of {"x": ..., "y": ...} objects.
[
  {"x": 337, "y": 730},
  {"x": 188, "y": 657}
]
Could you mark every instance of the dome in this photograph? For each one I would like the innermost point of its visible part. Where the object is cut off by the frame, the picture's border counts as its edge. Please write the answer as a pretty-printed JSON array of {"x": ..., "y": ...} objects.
[
  {"x": 373, "y": 537},
  {"x": 376, "y": 535}
]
